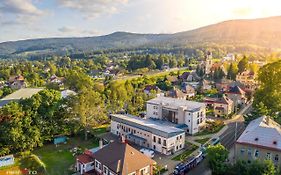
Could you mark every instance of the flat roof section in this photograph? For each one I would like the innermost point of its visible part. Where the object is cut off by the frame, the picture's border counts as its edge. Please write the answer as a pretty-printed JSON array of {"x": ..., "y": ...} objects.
[
  {"x": 19, "y": 94},
  {"x": 174, "y": 103},
  {"x": 153, "y": 126}
]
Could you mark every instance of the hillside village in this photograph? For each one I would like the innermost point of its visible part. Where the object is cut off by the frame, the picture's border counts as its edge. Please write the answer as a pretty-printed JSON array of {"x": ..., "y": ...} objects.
[{"x": 174, "y": 115}]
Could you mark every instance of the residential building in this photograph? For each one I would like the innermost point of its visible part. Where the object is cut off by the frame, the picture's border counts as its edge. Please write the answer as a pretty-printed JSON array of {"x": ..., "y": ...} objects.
[
  {"x": 188, "y": 90},
  {"x": 206, "y": 85},
  {"x": 247, "y": 78},
  {"x": 223, "y": 106},
  {"x": 57, "y": 80},
  {"x": 176, "y": 93},
  {"x": 66, "y": 93},
  {"x": 17, "y": 82},
  {"x": 116, "y": 158},
  {"x": 189, "y": 77},
  {"x": 151, "y": 88},
  {"x": 261, "y": 140},
  {"x": 154, "y": 134},
  {"x": 237, "y": 95},
  {"x": 223, "y": 85},
  {"x": 178, "y": 111}
]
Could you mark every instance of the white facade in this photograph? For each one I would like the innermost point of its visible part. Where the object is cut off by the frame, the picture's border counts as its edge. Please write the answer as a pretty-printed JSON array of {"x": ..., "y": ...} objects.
[
  {"x": 148, "y": 133},
  {"x": 192, "y": 114}
]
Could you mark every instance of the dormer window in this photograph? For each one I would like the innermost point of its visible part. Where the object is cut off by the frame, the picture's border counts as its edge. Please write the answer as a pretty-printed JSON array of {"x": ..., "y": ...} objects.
[
  {"x": 256, "y": 139},
  {"x": 275, "y": 142}
]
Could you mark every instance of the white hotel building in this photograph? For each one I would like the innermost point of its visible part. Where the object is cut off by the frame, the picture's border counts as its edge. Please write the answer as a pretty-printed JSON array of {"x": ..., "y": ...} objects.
[
  {"x": 150, "y": 133},
  {"x": 178, "y": 111}
]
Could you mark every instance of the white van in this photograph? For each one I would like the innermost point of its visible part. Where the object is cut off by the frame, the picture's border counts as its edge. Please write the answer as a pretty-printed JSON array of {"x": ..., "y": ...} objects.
[{"x": 149, "y": 153}]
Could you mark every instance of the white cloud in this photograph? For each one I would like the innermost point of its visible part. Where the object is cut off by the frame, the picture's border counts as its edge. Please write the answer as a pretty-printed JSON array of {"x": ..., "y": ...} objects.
[
  {"x": 20, "y": 7},
  {"x": 19, "y": 12},
  {"x": 93, "y": 8}
]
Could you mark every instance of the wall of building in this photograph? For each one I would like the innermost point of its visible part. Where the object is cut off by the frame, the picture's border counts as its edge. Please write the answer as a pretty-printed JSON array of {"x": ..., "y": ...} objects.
[
  {"x": 194, "y": 120},
  {"x": 247, "y": 153},
  {"x": 116, "y": 128}
]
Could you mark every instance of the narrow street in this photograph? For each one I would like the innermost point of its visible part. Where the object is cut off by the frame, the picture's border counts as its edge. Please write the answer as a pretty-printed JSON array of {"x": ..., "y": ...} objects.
[{"x": 227, "y": 138}]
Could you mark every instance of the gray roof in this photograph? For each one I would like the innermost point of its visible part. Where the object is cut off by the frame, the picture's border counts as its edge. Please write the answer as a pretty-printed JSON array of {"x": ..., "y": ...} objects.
[
  {"x": 174, "y": 103},
  {"x": 19, "y": 94},
  {"x": 153, "y": 126},
  {"x": 262, "y": 132}
]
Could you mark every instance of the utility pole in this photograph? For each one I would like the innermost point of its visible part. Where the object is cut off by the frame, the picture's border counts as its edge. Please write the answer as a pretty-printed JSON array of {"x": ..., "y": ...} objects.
[{"x": 235, "y": 137}]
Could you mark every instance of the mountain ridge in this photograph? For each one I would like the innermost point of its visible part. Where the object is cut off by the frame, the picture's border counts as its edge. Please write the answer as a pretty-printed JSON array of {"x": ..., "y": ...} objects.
[{"x": 264, "y": 32}]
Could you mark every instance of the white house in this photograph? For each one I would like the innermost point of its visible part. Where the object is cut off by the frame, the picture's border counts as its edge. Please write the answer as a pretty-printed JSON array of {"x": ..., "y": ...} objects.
[
  {"x": 149, "y": 133},
  {"x": 178, "y": 111}
]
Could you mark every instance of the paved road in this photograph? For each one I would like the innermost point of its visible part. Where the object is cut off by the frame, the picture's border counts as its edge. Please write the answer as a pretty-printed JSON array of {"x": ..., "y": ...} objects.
[{"x": 227, "y": 138}]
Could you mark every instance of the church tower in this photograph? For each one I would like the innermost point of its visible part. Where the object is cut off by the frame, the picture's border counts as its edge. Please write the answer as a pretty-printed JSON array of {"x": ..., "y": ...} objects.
[{"x": 208, "y": 63}]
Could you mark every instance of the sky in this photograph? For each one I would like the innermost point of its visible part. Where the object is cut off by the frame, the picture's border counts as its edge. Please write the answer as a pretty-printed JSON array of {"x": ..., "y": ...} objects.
[{"x": 27, "y": 19}]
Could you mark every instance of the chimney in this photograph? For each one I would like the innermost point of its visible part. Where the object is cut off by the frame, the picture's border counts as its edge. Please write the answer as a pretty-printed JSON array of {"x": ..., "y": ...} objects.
[{"x": 100, "y": 144}]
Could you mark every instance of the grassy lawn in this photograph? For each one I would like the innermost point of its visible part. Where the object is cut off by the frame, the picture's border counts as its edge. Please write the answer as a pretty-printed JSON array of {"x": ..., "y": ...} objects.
[
  {"x": 58, "y": 160},
  {"x": 186, "y": 153},
  {"x": 100, "y": 130},
  {"x": 202, "y": 141},
  {"x": 205, "y": 131}
]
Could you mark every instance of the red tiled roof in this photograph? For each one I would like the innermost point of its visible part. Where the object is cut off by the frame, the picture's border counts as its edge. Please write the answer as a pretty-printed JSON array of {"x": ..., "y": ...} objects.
[{"x": 85, "y": 158}]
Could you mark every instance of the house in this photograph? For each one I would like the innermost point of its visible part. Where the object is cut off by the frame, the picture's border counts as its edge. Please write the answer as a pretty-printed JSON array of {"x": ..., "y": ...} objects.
[
  {"x": 237, "y": 95},
  {"x": 165, "y": 67},
  {"x": 247, "y": 78},
  {"x": 188, "y": 90},
  {"x": 223, "y": 106},
  {"x": 229, "y": 57},
  {"x": 189, "y": 77},
  {"x": 151, "y": 88},
  {"x": 172, "y": 79},
  {"x": 206, "y": 85},
  {"x": 195, "y": 85},
  {"x": 17, "y": 82},
  {"x": 217, "y": 66},
  {"x": 189, "y": 113},
  {"x": 57, "y": 80},
  {"x": 116, "y": 158},
  {"x": 261, "y": 140},
  {"x": 223, "y": 84},
  {"x": 176, "y": 93},
  {"x": 67, "y": 93},
  {"x": 153, "y": 134}
]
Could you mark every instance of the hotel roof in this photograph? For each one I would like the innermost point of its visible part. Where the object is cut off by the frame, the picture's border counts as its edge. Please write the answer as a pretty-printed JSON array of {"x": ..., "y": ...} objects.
[
  {"x": 177, "y": 103},
  {"x": 262, "y": 132},
  {"x": 154, "y": 126}
]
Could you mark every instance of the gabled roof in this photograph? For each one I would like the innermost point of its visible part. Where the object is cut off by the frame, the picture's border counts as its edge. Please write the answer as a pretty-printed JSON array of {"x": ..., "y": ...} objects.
[
  {"x": 122, "y": 158},
  {"x": 151, "y": 87},
  {"x": 236, "y": 90},
  {"x": 176, "y": 93},
  {"x": 262, "y": 132},
  {"x": 188, "y": 89},
  {"x": 184, "y": 75},
  {"x": 224, "y": 100}
]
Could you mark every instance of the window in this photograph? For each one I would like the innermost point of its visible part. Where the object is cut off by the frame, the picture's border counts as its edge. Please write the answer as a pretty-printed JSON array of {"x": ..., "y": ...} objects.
[
  {"x": 154, "y": 147},
  {"x": 164, "y": 142},
  {"x": 257, "y": 153},
  {"x": 105, "y": 170},
  {"x": 159, "y": 140},
  {"x": 197, "y": 121},
  {"x": 268, "y": 156},
  {"x": 154, "y": 139},
  {"x": 249, "y": 152},
  {"x": 242, "y": 151},
  {"x": 133, "y": 173},
  {"x": 180, "y": 136},
  {"x": 98, "y": 165},
  {"x": 276, "y": 158}
]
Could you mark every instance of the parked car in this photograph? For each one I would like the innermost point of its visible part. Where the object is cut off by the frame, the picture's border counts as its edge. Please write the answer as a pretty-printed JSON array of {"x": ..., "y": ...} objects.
[
  {"x": 147, "y": 152},
  {"x": 199, "y": 157},
  {"x": 215, "y": 141}
]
